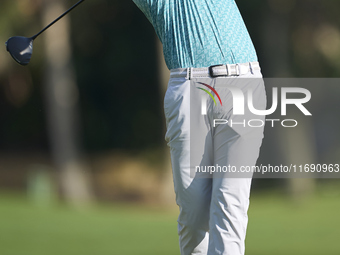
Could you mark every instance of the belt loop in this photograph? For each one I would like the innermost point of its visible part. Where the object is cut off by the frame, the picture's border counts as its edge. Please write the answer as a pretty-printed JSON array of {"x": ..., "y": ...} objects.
[
  {"x": 228, "y": 69},
  {"x": 238, "y": 69}
]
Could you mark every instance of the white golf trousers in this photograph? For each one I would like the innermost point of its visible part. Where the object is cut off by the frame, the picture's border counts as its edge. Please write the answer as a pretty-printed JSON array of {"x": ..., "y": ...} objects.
[{"x": 213, "y": 211}]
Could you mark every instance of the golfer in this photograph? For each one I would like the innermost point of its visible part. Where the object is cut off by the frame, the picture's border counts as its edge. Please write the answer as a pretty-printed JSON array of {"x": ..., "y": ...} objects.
[{"x": 211, "y": 58}]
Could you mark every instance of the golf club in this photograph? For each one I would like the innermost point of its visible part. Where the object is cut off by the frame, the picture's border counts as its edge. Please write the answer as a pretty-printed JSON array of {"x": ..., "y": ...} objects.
[{"x": 21, "y": 48}]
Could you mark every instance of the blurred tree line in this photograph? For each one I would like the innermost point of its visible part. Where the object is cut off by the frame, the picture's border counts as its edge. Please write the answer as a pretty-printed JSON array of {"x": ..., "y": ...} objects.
[
  {"x": 114, "y": 52},
  {"x": 115, "y": 59}
]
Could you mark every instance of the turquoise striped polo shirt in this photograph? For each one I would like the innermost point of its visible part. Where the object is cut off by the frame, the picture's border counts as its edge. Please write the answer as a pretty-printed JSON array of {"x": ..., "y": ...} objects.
[{"x": 199, "y": 33}]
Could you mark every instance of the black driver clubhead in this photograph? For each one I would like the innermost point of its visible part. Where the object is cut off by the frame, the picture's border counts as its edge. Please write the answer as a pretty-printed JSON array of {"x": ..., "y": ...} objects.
[{"x": 20, "y": 48}]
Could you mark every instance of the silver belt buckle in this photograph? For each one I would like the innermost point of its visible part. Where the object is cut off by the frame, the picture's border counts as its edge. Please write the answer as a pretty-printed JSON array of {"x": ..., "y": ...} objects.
[{"x": 211, "y": 71}]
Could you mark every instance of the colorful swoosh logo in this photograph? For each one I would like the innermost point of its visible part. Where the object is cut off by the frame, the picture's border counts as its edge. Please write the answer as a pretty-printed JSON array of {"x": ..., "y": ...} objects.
[{"x": 211, "y": 95}]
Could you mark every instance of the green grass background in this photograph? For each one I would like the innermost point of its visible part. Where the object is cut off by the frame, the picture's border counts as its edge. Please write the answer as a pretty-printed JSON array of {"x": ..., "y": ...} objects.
[{"x": 277, "y": 226}]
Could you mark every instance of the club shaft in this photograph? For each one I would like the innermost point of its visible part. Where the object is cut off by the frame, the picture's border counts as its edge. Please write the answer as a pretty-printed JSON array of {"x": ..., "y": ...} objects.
[{"x": 62, "y": 15}]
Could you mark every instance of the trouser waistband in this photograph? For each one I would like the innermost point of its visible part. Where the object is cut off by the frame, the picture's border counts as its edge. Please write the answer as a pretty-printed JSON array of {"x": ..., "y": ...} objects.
[{"x": 215, "y": 71}]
